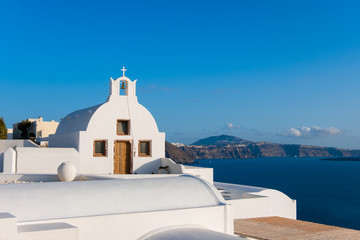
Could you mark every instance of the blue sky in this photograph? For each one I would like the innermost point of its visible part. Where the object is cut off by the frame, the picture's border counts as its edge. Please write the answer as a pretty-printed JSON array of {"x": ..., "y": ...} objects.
[{"x": 278, "y": 71}]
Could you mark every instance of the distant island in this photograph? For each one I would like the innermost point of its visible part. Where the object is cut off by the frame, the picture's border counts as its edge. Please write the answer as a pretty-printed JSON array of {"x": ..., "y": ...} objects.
[{"x": 230, "y": 147}]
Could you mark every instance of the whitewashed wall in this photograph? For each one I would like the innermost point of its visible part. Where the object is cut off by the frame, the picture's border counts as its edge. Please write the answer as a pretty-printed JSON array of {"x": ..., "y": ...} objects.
[
  {"x": 102, "y": 125},
  {"x": 44, "y": 160},
  {"x": 130, "y": 226},
  {"x": 204, "y": 173},
  {"x": 10, "y": 143},
  {"x": 67, "y": 140},
  {"x": 253, "y": 202}
]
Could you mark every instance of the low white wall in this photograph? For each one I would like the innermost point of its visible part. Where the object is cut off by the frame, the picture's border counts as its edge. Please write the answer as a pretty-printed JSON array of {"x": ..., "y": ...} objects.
[
  {"x": 5, "y": 144},
  {"x": 44, "y": 160},
  {"x": 204, "y": 173},
  {"x": 251, "y": 207},
  {"x": 263, "y": 206},
  {"x": 253, "y": 202},
  {"x": 134, "y": 225},
  {"x": 12, "y": 144},
  {"x": 281, "y": 205},
  {"x": 173, "y": 167}
]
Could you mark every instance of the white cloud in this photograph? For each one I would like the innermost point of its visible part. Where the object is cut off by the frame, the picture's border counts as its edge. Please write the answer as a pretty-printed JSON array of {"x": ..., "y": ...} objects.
[
  {"x": 231, "y": 126},
  {"x": 309, "y": 132}
]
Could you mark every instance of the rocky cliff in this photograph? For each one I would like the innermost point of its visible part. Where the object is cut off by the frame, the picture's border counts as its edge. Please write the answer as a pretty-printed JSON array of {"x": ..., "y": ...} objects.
[
  {"x": 232, "y": 147},
  {"x": 177, "y": 154}
]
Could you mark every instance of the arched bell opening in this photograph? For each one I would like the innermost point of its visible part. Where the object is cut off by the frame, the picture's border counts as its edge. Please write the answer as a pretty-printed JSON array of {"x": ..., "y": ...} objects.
[{"x": 123, "y": 88}]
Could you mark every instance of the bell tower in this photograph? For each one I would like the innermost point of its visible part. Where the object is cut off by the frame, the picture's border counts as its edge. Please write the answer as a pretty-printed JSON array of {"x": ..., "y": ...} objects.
[{"x": 122, "y": 83}]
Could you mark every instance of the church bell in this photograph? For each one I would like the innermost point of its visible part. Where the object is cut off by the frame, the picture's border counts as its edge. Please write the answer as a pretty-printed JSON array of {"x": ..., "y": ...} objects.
[{"x": 122, "y": 85}]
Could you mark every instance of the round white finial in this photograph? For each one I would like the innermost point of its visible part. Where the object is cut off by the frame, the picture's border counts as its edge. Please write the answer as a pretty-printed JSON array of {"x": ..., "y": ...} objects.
[{"x": 123, "y": 70}]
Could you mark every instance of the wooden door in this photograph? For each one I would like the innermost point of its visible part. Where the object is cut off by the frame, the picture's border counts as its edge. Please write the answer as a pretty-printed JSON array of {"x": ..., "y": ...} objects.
[{"x": 122, "y": 157}]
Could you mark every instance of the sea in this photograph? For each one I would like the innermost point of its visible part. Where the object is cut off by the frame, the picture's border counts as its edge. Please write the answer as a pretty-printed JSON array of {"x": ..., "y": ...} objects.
[{"x": 326, "y": 192}]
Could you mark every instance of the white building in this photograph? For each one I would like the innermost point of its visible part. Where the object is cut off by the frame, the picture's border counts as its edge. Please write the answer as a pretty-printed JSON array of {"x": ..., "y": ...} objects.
[
  {"x": 119, "y": 136},
  {"x": 38, "y": 129},
  {"x": 117, "y": 194}
]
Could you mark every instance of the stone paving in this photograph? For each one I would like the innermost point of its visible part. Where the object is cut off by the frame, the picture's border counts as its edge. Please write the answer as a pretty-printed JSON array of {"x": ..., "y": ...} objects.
[{"x": 277, "y": 228}]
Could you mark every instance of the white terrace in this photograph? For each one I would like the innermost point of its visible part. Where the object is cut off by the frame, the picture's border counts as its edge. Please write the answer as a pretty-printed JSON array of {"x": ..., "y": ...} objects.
[{"x": 124, "y": 187}]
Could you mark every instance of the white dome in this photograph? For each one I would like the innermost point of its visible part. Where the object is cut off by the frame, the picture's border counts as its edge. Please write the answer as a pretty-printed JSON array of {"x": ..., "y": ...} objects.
[
  {"x": 190, "y": 233},
  {"x": 104, "y": 115},
  {"x": 76, "y": 121}
]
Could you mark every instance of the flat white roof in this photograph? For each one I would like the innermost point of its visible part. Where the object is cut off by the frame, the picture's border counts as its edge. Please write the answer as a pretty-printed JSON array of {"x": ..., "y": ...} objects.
[{"x": 51, "y": 200}]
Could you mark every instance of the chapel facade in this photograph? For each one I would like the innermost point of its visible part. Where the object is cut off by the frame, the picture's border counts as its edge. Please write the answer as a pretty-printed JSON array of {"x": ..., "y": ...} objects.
[{"x": 119, "y": 136}]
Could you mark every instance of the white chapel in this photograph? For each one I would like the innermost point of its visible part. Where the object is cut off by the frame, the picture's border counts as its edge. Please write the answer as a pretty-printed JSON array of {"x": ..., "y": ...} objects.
[{"x": 119, "y": 136}]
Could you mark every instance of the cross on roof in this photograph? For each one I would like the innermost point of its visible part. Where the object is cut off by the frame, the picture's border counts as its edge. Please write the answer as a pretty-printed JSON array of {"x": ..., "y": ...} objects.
[{"x": 123, "y": 70}]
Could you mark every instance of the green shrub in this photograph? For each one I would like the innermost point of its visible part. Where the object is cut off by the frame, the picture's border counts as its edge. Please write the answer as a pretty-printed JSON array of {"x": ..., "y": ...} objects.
[
  {"x": 3, "y": 129},
  {"x": 23, "y": 126}
]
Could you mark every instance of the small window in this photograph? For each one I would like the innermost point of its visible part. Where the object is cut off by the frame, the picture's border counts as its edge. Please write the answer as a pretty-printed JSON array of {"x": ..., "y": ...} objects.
[
  {"x": 144, "y": 149},
  {"x": 100, "y": 148},
  {"x": 123, "y": 127}
]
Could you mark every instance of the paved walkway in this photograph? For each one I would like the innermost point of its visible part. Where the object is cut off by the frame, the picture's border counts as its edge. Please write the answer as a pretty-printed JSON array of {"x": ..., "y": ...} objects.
[{"x": 276, "y": 228}]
